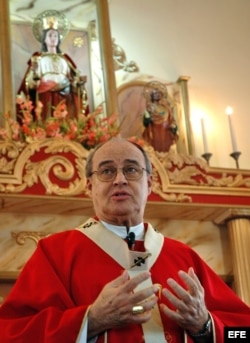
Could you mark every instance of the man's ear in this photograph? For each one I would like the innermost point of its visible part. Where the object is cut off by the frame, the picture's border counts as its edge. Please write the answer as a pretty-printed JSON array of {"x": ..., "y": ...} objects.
[
  {"x": 150, "y": 181},
  {"x": 89, "y": 187}
]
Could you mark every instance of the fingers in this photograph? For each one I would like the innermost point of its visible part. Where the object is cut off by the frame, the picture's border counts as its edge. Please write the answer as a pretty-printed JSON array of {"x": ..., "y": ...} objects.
[
  {"x": 135, "y": 281},
  {"x": 189, "y": 309},
  {"x": 177, "y": 301},
  {"x": 186, "y": 294},
  {"x": 119, "y": 295},
  {"x": 174, "y": 315},
  {"x": 145, "y": 296},
  {"x": 192, "y": 274},
  {"x": 114, "y": 305},
  {"x": 120, "y": 280},
  {"x": 129, "y": 284}
]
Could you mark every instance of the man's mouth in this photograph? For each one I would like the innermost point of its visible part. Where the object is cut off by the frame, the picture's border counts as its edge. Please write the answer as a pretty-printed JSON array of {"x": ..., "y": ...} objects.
[{"x": 120, "y": 195}]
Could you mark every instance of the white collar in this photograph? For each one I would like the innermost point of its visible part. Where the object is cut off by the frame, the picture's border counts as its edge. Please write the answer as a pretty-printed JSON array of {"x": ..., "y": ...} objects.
[{"x": 121, "y": 231}]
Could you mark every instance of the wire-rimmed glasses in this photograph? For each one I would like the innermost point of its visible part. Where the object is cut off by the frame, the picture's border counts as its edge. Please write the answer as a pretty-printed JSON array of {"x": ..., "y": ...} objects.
[{"x": 109, "y": 173}]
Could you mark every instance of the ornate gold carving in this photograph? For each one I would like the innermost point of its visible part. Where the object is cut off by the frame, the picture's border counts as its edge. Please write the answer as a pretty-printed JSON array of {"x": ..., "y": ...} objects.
[
  {"x": 24, "y": 173},
  {"x": 191, "y": 170},
  {"x": 57, "y": 166},
  {"x": 35, "y": 236},
  {"x": 161, "y": 180},
  {"x": 9, "y": 153}
]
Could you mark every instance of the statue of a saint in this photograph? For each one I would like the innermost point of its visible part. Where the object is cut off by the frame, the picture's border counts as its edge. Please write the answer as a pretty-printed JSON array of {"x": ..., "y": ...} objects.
[
  {"x": 52, "y": 76},
  {"x": 160, "y": 129}
]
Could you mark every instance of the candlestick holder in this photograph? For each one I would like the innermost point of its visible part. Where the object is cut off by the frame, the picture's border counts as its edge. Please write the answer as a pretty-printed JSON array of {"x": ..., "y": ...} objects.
[
  {"x": 235, "y": 155},
  {"x": 207, "y": 156}
]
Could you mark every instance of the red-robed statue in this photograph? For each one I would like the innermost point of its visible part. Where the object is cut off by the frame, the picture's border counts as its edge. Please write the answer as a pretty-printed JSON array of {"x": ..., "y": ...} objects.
[
  {"x": 52, "y": 76},
  {"x": 160, "y": 129}
]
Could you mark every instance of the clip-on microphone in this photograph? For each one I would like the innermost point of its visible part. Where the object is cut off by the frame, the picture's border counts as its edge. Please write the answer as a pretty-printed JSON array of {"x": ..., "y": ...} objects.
[
  {"x": 131, "y": 240},
  {"x": 130, "y": 237}
]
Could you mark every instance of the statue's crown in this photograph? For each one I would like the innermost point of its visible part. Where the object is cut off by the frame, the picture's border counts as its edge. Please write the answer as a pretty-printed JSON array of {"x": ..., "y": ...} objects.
[{"x": 50, "y": 23}]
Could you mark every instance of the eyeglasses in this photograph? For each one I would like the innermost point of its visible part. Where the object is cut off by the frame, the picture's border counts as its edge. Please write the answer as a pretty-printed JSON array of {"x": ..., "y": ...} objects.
[{"x": 109, "y": 173}]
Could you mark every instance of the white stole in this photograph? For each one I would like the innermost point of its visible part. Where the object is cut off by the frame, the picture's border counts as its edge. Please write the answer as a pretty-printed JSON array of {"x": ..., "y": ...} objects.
[{"x": 134, "y": 262}]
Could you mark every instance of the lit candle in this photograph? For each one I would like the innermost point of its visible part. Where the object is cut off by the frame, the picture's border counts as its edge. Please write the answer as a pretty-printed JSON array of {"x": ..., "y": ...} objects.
[
  {"x": 204, "y": 136},
  {"x": 229, "y": 112}
]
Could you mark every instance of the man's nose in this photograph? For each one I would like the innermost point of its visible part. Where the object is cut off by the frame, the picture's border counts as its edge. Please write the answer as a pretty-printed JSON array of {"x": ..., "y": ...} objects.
[{"x": 120, "y": 177}]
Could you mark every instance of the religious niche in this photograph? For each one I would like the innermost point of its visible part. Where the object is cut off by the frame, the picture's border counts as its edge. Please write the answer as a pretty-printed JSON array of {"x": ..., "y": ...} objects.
[
  {"x": 52, "y": 75},
  {"x": 160, "y": 128},
  {"x": 159, "y": 112}
]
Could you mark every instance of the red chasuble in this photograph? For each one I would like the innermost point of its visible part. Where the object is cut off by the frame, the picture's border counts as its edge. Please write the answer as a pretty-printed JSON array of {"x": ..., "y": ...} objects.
[{"x": 50, "y": 299}]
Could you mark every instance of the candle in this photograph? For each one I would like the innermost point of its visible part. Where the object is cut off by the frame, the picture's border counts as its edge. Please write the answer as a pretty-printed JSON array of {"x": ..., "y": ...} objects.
[
  {"x": 229, "y": 112},
  {"x": 204, "y": 137}
]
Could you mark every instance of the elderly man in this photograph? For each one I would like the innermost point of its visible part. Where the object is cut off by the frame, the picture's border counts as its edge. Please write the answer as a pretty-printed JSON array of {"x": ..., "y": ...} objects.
[{"x": 115, "y": 278}]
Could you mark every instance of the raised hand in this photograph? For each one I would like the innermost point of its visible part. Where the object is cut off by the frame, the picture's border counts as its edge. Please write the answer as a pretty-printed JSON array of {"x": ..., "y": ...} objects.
[
  {"x": 190, "y": 311},
  {"x": 114, "y": 306}
]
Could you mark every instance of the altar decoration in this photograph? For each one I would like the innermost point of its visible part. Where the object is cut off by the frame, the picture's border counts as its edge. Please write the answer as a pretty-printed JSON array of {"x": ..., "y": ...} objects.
[
  {"x": 89, "y": 130},
  {"x": 47, "y": 159}
]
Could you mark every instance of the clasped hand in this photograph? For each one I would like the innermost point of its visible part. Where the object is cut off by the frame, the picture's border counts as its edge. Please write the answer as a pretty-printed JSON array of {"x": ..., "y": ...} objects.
[{"x": 113, "y": 307}]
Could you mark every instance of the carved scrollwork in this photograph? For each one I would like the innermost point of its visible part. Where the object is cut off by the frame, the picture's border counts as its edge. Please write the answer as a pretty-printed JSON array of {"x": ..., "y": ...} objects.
[
  {"x": 177, "y": 176},
  {"x": 22, "y": 236},
  {"x": 59, "y": 168},
  {"x": 62, "y": 169},
  {"x": 161, "y": 181},
  {"x": 9, "y": 153},
  {"x": 191, "y": 170},
  {"x": 173, "y": 197},
  {"x": 170, "y": 159}
]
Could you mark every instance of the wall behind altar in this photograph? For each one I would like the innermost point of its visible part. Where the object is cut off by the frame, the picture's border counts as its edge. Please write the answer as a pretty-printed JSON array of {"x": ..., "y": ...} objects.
[{"x": 206, "y": 40}]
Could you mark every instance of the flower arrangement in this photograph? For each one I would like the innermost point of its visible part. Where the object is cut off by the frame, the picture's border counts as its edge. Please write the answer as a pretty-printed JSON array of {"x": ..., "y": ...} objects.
[{"x": 89, "y": 130}]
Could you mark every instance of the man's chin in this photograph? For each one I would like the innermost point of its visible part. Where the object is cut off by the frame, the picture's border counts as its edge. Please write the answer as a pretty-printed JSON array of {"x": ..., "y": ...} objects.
[
  {"x": 124, "y": 211},
  {"x": 121, "y": 208}
]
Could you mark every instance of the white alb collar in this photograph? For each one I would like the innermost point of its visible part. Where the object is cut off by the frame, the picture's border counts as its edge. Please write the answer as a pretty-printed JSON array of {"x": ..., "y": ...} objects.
[{"x": 121, "y": 231}]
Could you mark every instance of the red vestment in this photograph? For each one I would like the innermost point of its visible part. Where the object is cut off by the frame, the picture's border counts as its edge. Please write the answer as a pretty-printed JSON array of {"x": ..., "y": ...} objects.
[{"x": 67, "y": 272}]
